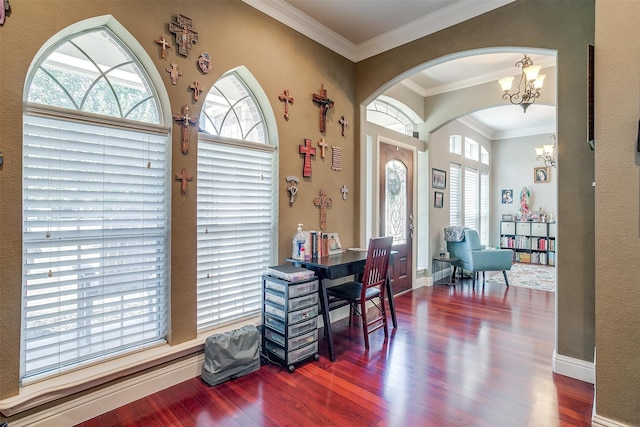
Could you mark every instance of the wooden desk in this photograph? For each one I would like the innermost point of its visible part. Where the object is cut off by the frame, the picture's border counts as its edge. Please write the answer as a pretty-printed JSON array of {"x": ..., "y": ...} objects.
[{"x": 333, "y": 267}]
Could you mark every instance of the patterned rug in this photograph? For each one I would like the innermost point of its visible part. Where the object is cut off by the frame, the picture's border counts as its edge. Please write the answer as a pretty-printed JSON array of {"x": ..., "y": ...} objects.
[{"x": 529, "y": 276}]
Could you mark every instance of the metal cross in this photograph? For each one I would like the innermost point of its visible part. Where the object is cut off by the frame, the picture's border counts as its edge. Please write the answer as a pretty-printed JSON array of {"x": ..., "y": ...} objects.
[{"x": 308, "y": 151}]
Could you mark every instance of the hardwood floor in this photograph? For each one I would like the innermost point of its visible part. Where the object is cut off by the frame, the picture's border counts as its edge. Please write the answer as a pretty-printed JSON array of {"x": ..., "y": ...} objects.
[{"x": 458, "y": 358}]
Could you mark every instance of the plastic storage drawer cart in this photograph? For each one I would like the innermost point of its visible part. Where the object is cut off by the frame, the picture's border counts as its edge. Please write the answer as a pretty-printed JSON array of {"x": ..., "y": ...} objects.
[{"x": 290, "y": 319}]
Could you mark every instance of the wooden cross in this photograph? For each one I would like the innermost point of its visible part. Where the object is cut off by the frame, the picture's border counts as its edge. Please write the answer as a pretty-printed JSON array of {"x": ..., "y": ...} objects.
[
  {"x": 324, "y": 103},
  {"x": 185, "y": 36},
  {"x": 186, "y": 120},
  {"x": 174, "y": 73},
  {"x": 197, "y": 90},
  {"x": 288, "y": 100},
  {"x": 344, "y": 190},
  {"x": 323, "y": 146},
  {"x": 343, "y": 122},
  {"x": 184, "y": 177},
  {"x": 323, "y": 202},
  {"x": 308, "y": 151},
  {"x": 164, "y": 44}
]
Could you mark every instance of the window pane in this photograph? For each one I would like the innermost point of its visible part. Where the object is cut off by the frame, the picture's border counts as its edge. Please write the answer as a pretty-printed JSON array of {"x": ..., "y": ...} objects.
[
  {"x": 230, "y": 110},
  {"x": 455, "y": 194},
  {"x": 236, "y": 230},
  {"x": 471, "y": 149},
  {"x": 396, "y": 202},
  {"x": 94, "y": 72},
  {"x": 484, "y": 208},
  {"x": 484, "y": 155},
  {"x": 471, "y": 198},
  {"x": 455, "y": 144},
  {"x": 94, "y": 238}
]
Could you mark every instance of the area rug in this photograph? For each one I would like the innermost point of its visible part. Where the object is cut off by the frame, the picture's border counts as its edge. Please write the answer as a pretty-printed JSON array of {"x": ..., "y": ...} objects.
[{"x": 529, "y": 276}]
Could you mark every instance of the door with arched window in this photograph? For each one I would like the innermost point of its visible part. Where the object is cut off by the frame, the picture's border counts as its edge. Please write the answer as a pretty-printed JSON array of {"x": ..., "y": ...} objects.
[{"x": 396, "y": 210}]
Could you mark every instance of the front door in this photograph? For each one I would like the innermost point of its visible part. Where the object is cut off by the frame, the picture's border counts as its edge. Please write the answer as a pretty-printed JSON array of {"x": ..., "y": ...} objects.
[{"x": 396, "y": 210}]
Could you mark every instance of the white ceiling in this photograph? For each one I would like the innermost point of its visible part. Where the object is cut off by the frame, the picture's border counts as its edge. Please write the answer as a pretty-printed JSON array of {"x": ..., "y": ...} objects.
[{"x": 359, "y": 29}]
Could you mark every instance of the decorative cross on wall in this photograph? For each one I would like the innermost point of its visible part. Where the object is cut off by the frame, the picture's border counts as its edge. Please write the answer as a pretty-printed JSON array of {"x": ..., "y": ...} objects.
[
  {"x": 185, "y": 36},
  {"x": 323, "y": 202},
  {"x": 336, "y": 158},
  {"x": 184, "y": 177},
  {"x": 197, "y": 90},
  {"x": 164, "y": 44},
  {"x": 324, "y": 103},
  {"x": 174, "y": 73},
  {"x": 344, "y": 190},
  {"x": 343, "y": 122},
  {"x": 323, "y": 145},
  {"x": 186, "y": 120},
  {"x": 308, "y": 151},
  {"x": 288, "y": 100}
]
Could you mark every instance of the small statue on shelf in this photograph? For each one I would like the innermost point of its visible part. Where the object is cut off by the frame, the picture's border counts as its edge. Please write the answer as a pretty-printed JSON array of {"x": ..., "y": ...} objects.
[{"x": 524, "y": 202}]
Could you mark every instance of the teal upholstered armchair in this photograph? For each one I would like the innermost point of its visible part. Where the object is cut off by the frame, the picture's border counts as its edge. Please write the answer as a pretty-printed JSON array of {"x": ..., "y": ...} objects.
[{"x": 464, "y": 244}]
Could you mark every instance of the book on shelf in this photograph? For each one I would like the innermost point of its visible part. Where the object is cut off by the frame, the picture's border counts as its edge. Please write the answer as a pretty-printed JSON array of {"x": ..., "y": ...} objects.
[{"x": 290, "y": 273}]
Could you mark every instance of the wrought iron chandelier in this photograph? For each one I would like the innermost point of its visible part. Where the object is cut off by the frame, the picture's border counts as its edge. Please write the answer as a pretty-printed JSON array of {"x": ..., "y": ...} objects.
[
  {"x": 528, "y": 89},
  {"x": 547, "y": 153}
]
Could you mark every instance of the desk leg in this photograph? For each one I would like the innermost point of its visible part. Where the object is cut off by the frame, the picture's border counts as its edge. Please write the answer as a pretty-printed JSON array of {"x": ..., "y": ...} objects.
[
  {"x": 326, "y": 319},
  {"x": 392, "y": 306}
]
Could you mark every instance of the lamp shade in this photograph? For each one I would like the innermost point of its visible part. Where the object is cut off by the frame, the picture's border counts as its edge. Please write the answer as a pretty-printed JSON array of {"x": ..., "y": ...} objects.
[
  {"x": 539, "y": 151},
  {"x": 532, "y": 72},
  {"x": 505, "y": 83},
  {"x": 539, "y": 81}
]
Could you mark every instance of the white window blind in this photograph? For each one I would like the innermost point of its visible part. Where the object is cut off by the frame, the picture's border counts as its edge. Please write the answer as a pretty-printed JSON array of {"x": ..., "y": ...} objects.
[
  {"x": 94, "y": 242},
  {"x": 471, "y": 198},
  {"x": 236, "y": 228},
  {"x": 484, "y": 208},
  {"x": 455, "y": 194}
]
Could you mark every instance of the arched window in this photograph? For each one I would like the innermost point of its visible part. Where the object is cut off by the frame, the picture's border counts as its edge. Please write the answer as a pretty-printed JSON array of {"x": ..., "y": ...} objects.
[
  {"x": 392, "y": 114},
  {"x": 237, "y": 200},
  {"x": 95, "y": 186}
]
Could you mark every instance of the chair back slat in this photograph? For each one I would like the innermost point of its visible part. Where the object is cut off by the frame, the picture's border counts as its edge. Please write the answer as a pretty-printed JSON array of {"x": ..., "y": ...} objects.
[{"x": 377, "y": 263}]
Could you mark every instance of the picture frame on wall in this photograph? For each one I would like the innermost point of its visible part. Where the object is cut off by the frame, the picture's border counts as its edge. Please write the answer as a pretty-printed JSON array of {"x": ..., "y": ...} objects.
[
  {"x": 541, "y": 174},
  {"x": 438, "y": 178},
  {"x": 507, "y": 197},
  {"x": 438, "y": 199}
]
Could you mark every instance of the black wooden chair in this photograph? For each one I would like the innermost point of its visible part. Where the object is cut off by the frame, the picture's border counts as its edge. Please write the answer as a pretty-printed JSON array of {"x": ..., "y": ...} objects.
[{"x": 370, "y": 288}]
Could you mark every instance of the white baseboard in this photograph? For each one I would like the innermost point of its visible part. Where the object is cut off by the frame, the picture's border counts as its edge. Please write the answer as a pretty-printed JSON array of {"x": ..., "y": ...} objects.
[
  {"x": 598, "y": 421},
  {"x": 574, "y": 368},
  {"x": 113, "y": 396}
]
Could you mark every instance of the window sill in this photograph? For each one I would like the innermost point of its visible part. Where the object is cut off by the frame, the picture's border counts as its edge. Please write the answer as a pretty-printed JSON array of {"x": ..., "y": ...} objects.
[{"x": 47, "y": 390}]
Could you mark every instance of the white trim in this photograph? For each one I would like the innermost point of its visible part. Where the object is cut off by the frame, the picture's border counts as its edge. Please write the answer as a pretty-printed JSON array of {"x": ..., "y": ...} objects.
[
  {"x": 574, "y": 368},
  {"x": 598, "y": 421},
  {"x": 116, "y": 395},
  {"x": 48, "y": 390},
  {"x": 445, "y": 17}
]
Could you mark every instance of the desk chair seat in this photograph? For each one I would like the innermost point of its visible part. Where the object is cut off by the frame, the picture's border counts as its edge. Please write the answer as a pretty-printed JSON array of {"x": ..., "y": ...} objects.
[{"x": 371, "y": 288}]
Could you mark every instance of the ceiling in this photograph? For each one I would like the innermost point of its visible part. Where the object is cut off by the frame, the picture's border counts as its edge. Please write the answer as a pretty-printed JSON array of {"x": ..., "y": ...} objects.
[{"x": 359, "y": 29}]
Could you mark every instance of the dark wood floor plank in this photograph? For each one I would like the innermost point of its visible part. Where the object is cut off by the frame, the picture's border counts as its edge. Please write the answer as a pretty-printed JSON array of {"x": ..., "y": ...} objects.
[{"x": 459, "y": 357}]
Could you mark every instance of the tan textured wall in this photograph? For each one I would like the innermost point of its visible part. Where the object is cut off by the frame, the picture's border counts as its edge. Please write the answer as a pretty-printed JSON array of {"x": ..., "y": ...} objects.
[
  {"x": 617, "y": 85},
  {"x": 568, "y": 27},
  {"x": 234, "y": 34}
]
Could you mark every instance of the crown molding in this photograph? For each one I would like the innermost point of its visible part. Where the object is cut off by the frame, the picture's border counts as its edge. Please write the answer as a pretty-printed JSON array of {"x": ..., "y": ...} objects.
[{"x": 455, "y": 13}]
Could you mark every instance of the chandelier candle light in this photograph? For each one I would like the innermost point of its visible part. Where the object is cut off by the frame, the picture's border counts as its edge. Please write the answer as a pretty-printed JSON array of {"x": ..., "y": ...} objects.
[
  {"x": 529, "y": 86},
  {"x": 547, "y": 153}
]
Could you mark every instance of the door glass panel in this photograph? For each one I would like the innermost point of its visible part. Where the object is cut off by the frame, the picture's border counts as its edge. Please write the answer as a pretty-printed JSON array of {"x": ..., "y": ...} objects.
[{"x": 396, "y": 201}]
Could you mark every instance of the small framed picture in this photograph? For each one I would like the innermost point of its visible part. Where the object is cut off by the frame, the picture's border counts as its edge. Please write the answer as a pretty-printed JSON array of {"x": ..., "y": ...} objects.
[
  {"x": 507, "y": 197},
  {"x": 438, "y": 178},
  {"x": 507, "y": 217},
  {"x": 438, "y": 199},
  {"x": 541, "y": 174}
]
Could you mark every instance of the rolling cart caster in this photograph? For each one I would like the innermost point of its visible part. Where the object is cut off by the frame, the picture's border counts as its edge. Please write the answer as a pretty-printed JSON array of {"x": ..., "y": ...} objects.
[
  {"x": 291, "y": 369},
  {"x": 316, "y": 357}
]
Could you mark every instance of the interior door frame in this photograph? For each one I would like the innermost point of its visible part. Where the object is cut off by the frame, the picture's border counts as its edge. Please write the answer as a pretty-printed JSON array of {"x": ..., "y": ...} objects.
[{"x": 370, "y": 190}]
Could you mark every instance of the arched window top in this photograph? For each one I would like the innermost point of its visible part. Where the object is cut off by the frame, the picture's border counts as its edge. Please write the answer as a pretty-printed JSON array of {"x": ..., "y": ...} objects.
[
  {"x": 231, "y": 110},
  {"x": 94, "y": 72},
  {"x": 392, "y": 114}
]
